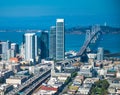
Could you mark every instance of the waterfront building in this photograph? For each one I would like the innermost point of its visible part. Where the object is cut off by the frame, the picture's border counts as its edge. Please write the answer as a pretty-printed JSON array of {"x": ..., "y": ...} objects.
[
  {"x": 52, "y": 42},
  {"x": 60, "y": 39},
  {"x": 100, "y": 54},
  {"x": 44, "y": 45},
  {"x": 29, "y": 47}
]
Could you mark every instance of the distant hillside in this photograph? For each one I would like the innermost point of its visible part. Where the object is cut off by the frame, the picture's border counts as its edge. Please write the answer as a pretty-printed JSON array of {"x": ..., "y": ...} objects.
[{"x": 82, "y": 30}]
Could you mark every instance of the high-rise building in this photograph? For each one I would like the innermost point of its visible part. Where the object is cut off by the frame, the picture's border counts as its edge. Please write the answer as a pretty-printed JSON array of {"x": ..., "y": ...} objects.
[
  {"x": 5, "y": 46},
  {"x": 8, "y": 54},
  {"x": 100, "y": 54},
  {"x": 44, "y": 41},
  {"x": 11, "y": 54},
  {"x": 15, "y": 47},
  {"x": 29, "y": 47},
  {"x": 22, "y": 50},
  {"x": 52, "y": 42},
  {"x": 60, "y": 47}
]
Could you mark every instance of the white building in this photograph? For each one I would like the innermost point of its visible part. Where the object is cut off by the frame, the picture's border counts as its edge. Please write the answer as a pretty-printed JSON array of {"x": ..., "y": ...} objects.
[
  {"x": 30, "y": 47},
  {"x": 86, "y": 71},
  {"x": 100, "y": 54}
]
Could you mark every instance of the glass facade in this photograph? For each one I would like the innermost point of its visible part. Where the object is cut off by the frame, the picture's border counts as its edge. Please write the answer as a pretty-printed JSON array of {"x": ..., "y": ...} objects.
[
  {"x": 52, "y": 42},
  {"x": 100, "y": 54},
  {"x": 60, "y": 48},
  {"x": 44, "y": 45}
]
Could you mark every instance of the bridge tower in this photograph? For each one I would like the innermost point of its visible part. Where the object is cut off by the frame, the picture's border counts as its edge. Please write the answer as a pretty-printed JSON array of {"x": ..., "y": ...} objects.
[
  {"x": 94, "y": 29},
  {"x": 87, "y": 37},
  {"x": 88, "y": 34}
]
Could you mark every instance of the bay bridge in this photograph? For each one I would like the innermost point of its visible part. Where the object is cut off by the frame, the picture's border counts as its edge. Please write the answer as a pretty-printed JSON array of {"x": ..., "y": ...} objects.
[{"x": 90, "y": 37}]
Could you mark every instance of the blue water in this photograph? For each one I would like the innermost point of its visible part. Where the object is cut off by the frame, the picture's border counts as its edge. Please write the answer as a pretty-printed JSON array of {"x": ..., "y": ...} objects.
[
  {"x": 72, "y": 41},
  {"x": 44, "y": 22}
]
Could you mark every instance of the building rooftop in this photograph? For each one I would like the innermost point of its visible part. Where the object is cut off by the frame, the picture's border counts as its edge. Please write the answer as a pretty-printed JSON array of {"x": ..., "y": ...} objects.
[
  {"x": 17, "y": 77},
  {"x": 3, "y": 86},
  {"x": 87, "y": 67},
  {"x": 48, "y": 88},
  {"x": 13, "y": 43},
  {"x": 60, "y": 20},
  {"x": 29, "y": 34},
  {"x": 14, "y": 60}
]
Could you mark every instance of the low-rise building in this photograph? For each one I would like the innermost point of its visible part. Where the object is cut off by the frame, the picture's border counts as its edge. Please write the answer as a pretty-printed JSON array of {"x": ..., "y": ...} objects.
[
  {"x": 72, "y": 90},
  {"x": 16, "y": 80},
  {"x": 4, "y": 73},
  {"x": 15, "y": 67},
  {"x": 46, "y": 90},
  {"x": 5, "y": 88},
  {"x": 91, "y": 80},
  {"x": 114, "y": 87},
  {"x": 83, "y": 91},
  {"x": 86, "y": 71}
]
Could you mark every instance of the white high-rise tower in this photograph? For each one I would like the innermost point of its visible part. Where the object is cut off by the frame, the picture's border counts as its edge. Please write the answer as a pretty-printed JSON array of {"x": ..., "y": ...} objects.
[{"x": 29, "y": 47}]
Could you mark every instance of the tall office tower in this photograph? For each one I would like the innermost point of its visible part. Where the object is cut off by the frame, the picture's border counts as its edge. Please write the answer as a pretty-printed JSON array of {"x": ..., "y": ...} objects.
[
  {"x": 37, "y": 48},
  {"x": 15, "y": 47},
  {"x": 100, "y": 54},
  {"x": 29, "y": 47},
  {"x": 11, "y": 54},
  {"x": 52, "y": 42},
  {"x": 22, "y": 50},
  {"x": 37, "y": 45},
  {"x": 8, "y": 54},
  {"x": 44, "y": 44},
  {"x": 5, "y": 47},
  {"x": 60, "y": 47}
]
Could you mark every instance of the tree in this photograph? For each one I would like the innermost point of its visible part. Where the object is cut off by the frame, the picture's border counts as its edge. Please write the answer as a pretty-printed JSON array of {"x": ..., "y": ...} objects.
[{"x": 100, "y": 87}]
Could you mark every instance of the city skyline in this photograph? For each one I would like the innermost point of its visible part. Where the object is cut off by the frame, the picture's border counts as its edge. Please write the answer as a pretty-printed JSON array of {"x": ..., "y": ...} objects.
[{"x": 59, "y": 47}]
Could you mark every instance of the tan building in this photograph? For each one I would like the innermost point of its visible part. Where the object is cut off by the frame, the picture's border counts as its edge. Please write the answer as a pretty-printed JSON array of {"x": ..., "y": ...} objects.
[
  {"x": 15, "y": 67},
  {"x": 16, "y": 80}
]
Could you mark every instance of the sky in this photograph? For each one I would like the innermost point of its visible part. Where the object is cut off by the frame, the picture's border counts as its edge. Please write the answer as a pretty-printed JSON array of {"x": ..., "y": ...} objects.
[{"x": 24, "y": 12}]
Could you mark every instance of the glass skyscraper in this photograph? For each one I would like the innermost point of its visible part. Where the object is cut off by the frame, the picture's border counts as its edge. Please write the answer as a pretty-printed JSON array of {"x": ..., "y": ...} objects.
[
  {"x": 60, "y": 48},
  {"x": 29, "y": 47},
  {"x": 52, "y": 42},
  {"x": 44, "y": 45}
]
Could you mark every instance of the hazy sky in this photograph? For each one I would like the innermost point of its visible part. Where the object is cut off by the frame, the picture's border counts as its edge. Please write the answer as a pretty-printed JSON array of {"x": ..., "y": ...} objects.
[{"x": 37, "y": 8}]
